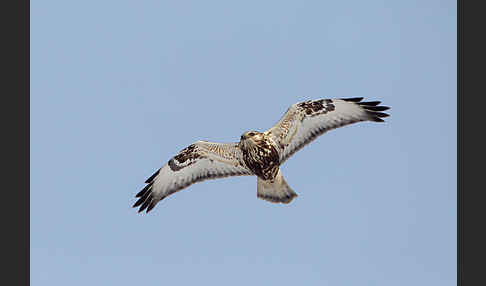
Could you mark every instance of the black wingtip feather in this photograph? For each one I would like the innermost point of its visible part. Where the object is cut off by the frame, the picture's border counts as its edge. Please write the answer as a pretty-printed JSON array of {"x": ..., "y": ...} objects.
[
  {"x": 353, "y": 99},
  {"x": 143, "y": 191},
  {"x": 373, "y": 109},
  {"x": 137, "y": 203},
  {"x": 145, "y": 204},
  {"x": 369, "y": 103},
  {"x": 151, "y": 206},
  {"x": 376, "y": 108},
  {"x": 375, "y": 116},
  {"x": 152, "y": 177},
  {"x": 377, "y": 119},
  {"x": 145, "y": 195},
  {"x": 380, "y": 114}
]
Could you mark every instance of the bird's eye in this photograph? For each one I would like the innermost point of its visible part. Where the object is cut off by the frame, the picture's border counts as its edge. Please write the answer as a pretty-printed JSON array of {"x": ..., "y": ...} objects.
[{"x": 251, "y": 134}]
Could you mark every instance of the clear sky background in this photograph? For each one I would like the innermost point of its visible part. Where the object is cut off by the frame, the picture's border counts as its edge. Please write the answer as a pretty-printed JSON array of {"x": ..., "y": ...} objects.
[{"x": 118, "y": 87}]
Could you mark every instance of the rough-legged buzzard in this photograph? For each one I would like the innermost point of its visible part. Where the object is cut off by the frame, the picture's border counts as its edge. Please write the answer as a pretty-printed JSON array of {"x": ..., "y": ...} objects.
[{"x": 258, "y": 153}]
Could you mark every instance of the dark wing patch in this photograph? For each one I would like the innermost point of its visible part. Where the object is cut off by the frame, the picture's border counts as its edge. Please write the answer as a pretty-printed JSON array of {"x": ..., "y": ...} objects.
[
  {"x": 316, "y": 107},
  {"x": 186, "y": 157}
]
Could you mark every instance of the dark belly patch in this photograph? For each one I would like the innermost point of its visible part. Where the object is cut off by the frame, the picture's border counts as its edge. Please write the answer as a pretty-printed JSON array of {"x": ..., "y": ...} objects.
[{"x": 263, "y": 160}]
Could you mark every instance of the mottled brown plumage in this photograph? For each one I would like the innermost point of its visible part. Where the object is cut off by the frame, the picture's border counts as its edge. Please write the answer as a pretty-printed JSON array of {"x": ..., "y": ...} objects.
[{"x": 260, "y": 154}]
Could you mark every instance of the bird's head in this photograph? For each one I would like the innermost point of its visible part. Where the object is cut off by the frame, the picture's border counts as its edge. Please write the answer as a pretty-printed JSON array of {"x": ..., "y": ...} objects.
[
  {"x": 250, "y": 134},
  {"x": 250, "y": 137}
]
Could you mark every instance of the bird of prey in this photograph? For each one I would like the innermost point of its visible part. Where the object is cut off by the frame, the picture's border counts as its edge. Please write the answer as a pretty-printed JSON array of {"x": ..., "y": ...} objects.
[{"x": 258, "y": 153}]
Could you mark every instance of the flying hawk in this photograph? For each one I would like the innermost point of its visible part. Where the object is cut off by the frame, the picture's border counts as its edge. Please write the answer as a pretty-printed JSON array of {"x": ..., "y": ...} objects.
[{"x": 258, "y": 153}]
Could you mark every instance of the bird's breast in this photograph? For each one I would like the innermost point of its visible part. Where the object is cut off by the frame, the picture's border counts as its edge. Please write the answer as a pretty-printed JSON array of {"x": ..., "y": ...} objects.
[{"x": 263, "y": 159}]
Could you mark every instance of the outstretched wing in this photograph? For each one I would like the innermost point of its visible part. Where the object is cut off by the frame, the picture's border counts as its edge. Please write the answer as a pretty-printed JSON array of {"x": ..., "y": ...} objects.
[
  {"x": 305, "y": 121},
  {"x": 197, "y": 162}
]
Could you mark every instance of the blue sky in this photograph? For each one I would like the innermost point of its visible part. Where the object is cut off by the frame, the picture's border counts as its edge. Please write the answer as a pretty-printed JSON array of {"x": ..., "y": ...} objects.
[{"x": 118, "y": 87}]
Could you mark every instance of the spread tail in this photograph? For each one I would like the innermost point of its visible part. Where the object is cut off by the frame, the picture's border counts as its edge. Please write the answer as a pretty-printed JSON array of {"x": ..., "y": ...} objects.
[{"x": 276, "y": 190}]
